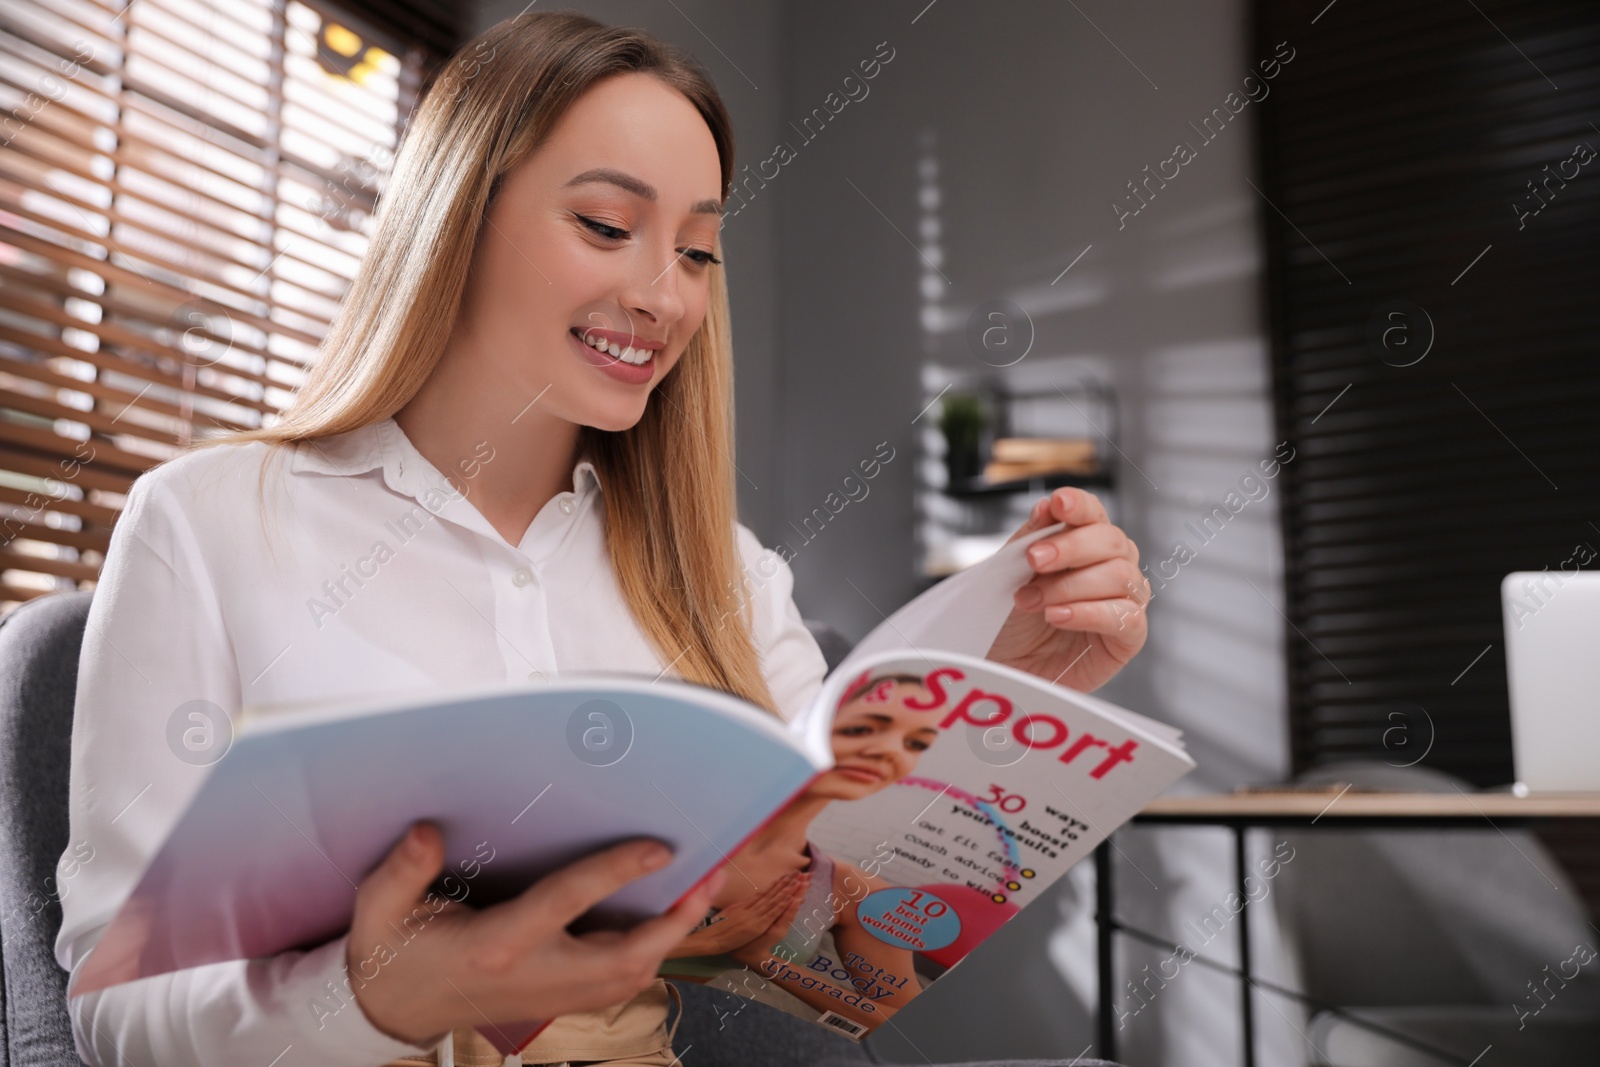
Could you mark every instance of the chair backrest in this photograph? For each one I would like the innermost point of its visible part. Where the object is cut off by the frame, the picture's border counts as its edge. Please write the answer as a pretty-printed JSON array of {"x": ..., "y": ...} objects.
[
  {"x": 835, "y": 645},
  {"x": 39, "y": 644}
]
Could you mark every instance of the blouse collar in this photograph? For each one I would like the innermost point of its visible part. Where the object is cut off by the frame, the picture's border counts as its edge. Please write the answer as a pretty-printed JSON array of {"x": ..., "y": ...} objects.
[{"x": 383, "y": 444}]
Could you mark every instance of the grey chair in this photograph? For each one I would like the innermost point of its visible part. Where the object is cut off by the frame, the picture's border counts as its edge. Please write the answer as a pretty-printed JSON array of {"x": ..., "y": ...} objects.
[
  {"x": 1430, "y": 938},
  {"x": 835, "y": 646},
  {"x": 39, "y": 646}
]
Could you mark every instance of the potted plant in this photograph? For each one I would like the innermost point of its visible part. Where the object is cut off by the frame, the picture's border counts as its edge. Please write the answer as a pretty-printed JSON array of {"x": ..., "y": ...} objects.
[{"x": 962, "y": 419}]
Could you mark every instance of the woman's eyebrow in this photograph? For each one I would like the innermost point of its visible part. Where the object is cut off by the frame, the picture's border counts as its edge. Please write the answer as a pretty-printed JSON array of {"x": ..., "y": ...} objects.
[{"x": 639, "y": 188}]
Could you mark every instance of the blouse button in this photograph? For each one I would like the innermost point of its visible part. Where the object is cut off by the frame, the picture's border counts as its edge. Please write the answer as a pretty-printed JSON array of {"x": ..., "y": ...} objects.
[
  {"x": 522, "y": 578},
  {"x": 566, "y": 506}
]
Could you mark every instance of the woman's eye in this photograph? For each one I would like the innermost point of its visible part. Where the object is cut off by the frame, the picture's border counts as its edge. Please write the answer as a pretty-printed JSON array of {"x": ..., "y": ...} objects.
[
  {"x": 611, "y": 233},
  {"x": 615, "y": 233},
  {"x": 709, "y": 257}
]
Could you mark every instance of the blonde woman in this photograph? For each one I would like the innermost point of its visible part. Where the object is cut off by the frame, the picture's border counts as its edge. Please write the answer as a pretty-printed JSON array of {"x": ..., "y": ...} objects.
[{"x": 511, "y": 459}]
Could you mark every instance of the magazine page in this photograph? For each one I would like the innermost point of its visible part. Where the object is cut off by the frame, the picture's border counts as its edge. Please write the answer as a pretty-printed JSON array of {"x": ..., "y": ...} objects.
[
  {"x": 962, "y": 613},
  {"x": 961, "y": 789}
]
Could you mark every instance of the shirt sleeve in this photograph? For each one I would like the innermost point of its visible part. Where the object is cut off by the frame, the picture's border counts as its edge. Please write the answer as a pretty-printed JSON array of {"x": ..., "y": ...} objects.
[
  {"x": 157, "y": 692},
  {"x": 791, "y": 661}
]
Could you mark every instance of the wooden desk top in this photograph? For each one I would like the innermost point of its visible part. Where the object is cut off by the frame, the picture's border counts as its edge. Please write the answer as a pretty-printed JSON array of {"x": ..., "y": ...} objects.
[{"x": 1332, "y": 806}]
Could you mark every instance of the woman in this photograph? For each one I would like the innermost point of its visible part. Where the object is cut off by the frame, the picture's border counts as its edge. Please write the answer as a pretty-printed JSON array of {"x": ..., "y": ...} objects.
[
  {"x": 465, "y": 490},
  {"x": 877, "y": 740}
]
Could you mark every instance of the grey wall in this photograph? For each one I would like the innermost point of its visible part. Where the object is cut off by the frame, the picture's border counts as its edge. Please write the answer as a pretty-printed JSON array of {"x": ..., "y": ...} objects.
[{"x": 982, "y": 159}]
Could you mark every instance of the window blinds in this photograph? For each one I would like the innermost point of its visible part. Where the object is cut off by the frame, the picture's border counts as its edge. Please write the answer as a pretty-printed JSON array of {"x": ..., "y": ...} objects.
[
  {"x": 1433, "y": 355},
  {"x": 185, "y": 188}
]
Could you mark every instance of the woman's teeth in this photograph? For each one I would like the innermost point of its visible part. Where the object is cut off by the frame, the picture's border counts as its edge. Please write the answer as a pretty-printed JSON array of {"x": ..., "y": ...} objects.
[{"x": 635, "y": 356}]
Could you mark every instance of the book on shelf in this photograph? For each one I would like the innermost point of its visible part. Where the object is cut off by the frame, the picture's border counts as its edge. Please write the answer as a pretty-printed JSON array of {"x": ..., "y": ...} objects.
[
  {"x": 1018, "y": 458},
  {"x": 872, "y": 842},
  {"x": 1059, "y": 451}
]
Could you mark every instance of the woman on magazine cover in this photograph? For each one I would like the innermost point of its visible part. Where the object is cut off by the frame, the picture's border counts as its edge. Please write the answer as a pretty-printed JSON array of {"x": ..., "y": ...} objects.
[
  {"x": 786, "y": 895},
  {"x": 511, "y": 458}
]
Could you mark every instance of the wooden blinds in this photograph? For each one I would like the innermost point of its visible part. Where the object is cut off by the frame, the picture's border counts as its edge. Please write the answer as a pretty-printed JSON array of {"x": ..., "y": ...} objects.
[
  {"x": 1432, "y": 198},
  {"x": 185, "y": 187}
]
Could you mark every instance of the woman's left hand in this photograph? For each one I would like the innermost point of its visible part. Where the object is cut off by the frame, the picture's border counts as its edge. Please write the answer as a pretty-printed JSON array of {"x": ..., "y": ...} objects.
[{"x": 1087, "y": 617}]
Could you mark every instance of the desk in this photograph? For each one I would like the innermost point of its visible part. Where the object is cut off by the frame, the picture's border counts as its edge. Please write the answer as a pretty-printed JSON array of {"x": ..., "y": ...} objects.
[{"x": 1347, "y": 810}]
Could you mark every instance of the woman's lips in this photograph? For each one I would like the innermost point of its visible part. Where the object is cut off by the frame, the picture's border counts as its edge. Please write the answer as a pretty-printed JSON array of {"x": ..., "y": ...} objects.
[
  {"x": 860, "y": 774},
  {"x": 632, "y": 374}
]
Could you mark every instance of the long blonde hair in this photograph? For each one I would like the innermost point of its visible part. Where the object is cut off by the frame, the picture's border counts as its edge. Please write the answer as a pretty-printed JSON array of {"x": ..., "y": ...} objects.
[{"x": 668, "y": 480}]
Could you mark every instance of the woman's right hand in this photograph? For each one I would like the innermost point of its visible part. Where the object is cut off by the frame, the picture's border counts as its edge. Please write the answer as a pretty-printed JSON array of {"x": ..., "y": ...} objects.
[
  {"x": 513, "y": 961},
  {"x": 756, "y": 952}
]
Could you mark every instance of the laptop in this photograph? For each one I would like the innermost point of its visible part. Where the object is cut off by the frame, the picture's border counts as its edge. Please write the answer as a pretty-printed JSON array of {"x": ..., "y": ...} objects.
[{"x": 1552, "y": 624}]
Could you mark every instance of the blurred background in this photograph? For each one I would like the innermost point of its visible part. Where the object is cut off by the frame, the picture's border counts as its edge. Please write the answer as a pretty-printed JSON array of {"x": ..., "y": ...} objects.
[{"x": 1305, "y": 292}]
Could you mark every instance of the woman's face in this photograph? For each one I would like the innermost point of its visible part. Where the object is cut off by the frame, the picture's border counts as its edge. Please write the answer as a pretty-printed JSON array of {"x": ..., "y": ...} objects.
[
  {"x": 877, "y": 741},
  {"x": 606, "y": 230}
]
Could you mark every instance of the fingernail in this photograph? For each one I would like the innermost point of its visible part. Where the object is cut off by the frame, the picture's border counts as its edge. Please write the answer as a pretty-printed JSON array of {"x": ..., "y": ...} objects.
[
  {"x": 414, "y": 847},
  {"x": 1042, "y": 553},
  {"x": 718, "y": 878},
  {"x": 1059, "y": 614},
  {"x": 1029, "y": 596},
  {"x": 656, "y": 857}
]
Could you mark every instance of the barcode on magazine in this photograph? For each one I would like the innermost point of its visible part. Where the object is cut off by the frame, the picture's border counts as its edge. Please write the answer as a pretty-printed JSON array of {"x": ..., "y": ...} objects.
[{"x": 839, "y": 1022}]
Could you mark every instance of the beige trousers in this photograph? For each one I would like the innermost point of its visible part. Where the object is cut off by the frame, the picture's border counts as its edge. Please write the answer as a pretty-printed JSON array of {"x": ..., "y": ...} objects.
[{"x": 631, "y": 1034}]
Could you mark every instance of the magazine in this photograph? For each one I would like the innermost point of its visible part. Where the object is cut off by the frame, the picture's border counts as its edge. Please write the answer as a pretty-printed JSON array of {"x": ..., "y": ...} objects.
[
  {"x": 910, "y": 809},
  {"x": 960, "y": 790}
]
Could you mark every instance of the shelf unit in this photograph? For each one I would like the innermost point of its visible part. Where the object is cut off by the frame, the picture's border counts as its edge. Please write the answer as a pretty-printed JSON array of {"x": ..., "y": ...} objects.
[{"x": 960, "y": 523}]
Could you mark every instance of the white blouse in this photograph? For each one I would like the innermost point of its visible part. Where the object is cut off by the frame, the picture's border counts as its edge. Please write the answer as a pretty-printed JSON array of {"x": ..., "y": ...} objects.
[{"x": 381, "y": 576}]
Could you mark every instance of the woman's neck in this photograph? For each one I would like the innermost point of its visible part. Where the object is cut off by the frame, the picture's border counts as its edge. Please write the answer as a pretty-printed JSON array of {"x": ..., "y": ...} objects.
[{"x": 451, "y": 419}]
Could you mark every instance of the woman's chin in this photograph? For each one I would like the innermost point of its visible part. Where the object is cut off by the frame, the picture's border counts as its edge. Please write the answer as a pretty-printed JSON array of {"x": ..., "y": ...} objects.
[
  {"x": 615, "y": 417},
  {"x": 837, "y": 788}
]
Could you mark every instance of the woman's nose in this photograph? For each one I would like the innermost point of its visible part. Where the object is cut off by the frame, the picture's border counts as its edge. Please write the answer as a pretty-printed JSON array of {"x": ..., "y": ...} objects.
[{"x": 654, "y": 294}]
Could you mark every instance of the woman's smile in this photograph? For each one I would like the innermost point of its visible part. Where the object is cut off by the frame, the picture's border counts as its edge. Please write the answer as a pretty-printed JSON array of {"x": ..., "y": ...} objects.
[
  {"x": 633, "y": 365},
  {"x": 869, "y": 775}
]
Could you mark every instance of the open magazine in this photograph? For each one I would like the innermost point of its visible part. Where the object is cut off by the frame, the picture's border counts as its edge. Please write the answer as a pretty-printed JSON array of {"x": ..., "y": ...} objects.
[
  {"x": 960, "y": 791},
  {"x": 923, "y": 797}
]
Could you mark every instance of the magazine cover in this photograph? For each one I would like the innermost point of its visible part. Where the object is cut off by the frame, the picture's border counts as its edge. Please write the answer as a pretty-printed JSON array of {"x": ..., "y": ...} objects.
[{"x": 960, "y": 790}]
